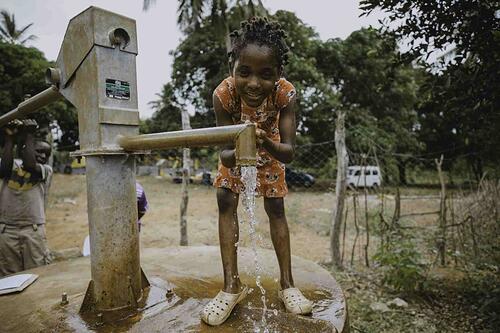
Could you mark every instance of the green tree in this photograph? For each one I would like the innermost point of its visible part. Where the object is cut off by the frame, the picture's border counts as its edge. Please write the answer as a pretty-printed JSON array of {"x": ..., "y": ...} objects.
[
  {"x": 459, "y": 116},
  {"x": 9, "y": 31},
  {"x": 200, "y": 64},
  {"x": 362, "y": 74},
  {"x": 167, "y": 114},
  {"x": 22, "y": 74},
  {"x": 379, "y": 92},
  {"x": 192, "y": 13},
  {"x": 470, "y": 26},
  {"x": 460, "y": 120}
]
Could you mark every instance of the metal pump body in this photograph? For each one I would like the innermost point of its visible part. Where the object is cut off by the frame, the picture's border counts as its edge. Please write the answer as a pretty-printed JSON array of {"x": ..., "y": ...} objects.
[{"x": 96, "y": 71}]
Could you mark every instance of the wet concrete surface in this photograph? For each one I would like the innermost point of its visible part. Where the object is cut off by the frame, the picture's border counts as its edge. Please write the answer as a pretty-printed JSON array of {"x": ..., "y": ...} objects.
[{"x": 194, "y": 276}]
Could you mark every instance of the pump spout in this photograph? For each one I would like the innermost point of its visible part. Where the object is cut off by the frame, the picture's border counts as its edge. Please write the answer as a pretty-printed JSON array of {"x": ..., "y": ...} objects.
[
  {"x": 243, "y": 136},
  {"x": 246, "y": 150}
]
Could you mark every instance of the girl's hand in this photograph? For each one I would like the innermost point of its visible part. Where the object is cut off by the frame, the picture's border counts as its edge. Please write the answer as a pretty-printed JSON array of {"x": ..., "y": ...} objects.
[
  {"x": 228, "y": 158},
  {"x": 261, "y": 136}
]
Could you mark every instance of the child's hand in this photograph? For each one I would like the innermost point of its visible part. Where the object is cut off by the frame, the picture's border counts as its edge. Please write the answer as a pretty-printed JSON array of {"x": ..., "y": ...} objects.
[
  {"x": 261, "y": 136},
  {"x": 12, "y": 127},
  {"x": 30, "y": 126},
  {"x": 27, "y": 130}
]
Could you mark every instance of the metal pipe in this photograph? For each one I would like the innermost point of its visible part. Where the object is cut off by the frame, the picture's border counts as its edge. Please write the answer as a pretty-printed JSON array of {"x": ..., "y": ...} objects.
[
  {"x": 242, "y": 135},
  {"x": 31, "y": 105},
  {"x": 246, "y": 148}
]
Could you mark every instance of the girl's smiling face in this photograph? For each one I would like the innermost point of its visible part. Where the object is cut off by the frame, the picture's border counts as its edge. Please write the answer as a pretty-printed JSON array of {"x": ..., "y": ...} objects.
[{"x": 255, "y": 73}]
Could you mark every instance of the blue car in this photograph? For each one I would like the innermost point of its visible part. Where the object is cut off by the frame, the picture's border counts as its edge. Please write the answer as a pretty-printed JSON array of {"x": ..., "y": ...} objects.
[{"x": 298, "y": 178}]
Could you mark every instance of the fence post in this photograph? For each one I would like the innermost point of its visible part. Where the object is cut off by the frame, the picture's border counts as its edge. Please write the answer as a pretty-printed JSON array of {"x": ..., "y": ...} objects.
[
  {"x": 442, "y": 214},
  {"x": 365, "y": 193},
  {"x": 356, "y": 226},
  {"x": 186, "y": 167},
  {"x": 343, "y": 233},
  {"x": 340, "y": 189}
]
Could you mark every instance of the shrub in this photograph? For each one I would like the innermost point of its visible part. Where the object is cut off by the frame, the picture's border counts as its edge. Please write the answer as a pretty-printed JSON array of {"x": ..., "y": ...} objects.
[{"x": 401, "y": 263}]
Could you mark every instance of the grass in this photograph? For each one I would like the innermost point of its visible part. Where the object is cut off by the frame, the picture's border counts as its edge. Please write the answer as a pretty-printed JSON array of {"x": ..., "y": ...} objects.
[{"x": 446, "y": 305}]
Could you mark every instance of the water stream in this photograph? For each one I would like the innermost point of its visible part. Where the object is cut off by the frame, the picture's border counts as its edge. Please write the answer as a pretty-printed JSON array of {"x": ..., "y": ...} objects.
[{"x": 249, "y": 180}]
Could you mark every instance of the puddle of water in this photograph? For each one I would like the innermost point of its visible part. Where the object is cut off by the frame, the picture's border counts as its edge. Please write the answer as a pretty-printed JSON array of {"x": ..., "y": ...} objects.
[
  {"x": 156, "y": 298},
  {"x": 180, "y": 311}
]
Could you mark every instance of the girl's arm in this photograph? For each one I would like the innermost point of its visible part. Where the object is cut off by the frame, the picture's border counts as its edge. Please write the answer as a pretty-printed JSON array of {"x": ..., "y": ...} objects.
[
  {"x": 283, "y": 151},
  {"x": 223, "y": 118}
]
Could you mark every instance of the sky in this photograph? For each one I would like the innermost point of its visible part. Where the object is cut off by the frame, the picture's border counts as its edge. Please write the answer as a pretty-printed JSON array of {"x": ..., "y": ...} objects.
[{"x": 157, "y": 30}]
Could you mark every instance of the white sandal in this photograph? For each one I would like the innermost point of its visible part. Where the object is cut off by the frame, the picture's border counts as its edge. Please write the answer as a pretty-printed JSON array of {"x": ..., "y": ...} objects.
[
  {"x": 294, "y": 301},
  {"x": 218, "y": 309}
]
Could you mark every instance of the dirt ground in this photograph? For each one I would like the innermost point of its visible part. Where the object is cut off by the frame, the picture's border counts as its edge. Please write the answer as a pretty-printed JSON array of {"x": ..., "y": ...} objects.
[
  {"x": 67, "y": 217},
  {"x": 309, "y": 216},
  {"x": 308, "y": 213}
]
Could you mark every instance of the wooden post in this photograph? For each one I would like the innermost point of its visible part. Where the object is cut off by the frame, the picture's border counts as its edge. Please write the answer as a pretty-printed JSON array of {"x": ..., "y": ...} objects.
[
  {"x": 442, "y": 214},
  {"x": 365, "y": 193},
  {"x": 186, "y": 166},
  {"x": 340, "y": 189},
  {"x": 453, "y": 233},
  {"x": 343, "y": 233},
  {"x": 383, "y": 223},
  {"x": 367, "y": 225},
  {"x": 356, "y": 226},
  {"x": 397, "y": 209}
]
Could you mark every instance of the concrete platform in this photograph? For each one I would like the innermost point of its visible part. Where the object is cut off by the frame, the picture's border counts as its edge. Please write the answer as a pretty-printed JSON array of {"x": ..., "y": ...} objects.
[{"x": 194, "y": 276}]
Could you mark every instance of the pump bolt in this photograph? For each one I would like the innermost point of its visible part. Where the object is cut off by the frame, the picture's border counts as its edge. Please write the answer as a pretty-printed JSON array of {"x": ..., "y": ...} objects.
[
  {"x": 100, "y": 321},
  {"x": 53, "y": 76},
  {"x": 64, "y": 299}
]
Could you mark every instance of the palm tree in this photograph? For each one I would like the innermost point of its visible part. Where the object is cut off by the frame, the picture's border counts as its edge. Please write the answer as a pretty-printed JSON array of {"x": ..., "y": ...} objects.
[
  {"x": 191, "y": 13},
  {"x": 9, "y": 32}
]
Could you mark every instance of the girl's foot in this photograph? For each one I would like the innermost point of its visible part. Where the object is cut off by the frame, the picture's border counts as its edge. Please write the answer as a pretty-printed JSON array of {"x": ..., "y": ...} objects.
[
  {"x": 218, "y": 309},
  {"x": 294, "y": 301}
]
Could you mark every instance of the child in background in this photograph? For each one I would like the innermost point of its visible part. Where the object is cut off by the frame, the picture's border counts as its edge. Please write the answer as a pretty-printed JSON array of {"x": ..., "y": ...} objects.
[
  {"x": 142, "y": 203},
  {"x": 23, "y": 192},
  {"x": 142, "y": 207},
  {"x": 256, "y": 92}
]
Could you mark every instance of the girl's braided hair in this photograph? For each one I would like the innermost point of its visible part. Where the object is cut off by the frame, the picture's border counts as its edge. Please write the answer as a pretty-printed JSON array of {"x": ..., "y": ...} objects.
[{"x": 260, "y": 31}]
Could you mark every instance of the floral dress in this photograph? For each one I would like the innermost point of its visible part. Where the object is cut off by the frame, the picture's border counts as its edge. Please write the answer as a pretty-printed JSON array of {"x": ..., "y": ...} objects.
[{"x": 270, "y": 172}]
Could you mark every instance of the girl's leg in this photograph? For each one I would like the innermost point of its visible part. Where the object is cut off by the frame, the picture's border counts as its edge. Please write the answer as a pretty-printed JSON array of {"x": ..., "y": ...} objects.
[
  {"x": 228, "y": 237},
  {"x": 280, "y": 236}
]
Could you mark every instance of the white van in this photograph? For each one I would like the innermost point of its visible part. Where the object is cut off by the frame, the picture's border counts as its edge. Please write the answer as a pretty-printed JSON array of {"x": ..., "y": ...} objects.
[{"x": 363, "y": 176}]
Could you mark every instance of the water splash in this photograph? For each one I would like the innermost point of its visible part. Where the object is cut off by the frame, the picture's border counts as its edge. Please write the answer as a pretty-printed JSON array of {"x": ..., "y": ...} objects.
[{"x": 249, "y": 180}]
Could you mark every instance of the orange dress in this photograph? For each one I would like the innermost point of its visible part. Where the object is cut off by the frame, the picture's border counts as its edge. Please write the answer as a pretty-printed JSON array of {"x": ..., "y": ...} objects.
[{"x": 270, "y": 172}]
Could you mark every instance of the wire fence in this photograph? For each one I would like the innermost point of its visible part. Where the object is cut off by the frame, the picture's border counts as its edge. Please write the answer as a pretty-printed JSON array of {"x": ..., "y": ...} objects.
[{"x": 372, "y": 212}]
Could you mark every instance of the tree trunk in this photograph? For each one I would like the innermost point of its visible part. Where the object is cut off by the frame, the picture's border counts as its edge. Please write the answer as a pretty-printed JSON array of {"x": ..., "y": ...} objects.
[
  {"x": 402, "y": 171},
  {"x": 477, "y": 168},
  {"x": 442, "y": 214},
  {"x": 186, "y": 167},
  {"x": 340, "y": 190}
]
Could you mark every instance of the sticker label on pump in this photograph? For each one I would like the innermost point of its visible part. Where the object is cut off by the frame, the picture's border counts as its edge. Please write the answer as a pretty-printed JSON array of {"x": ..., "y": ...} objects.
[{"x": 117, "y": 89}]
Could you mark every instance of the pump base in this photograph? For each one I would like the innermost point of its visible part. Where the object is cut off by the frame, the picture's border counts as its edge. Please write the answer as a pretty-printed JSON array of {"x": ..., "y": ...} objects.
[{"x": 195, "y": 276}]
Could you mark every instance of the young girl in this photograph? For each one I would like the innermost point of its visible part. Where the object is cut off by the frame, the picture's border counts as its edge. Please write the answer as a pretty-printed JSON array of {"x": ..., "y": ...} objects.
[{"x": 256, "y": 92}]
